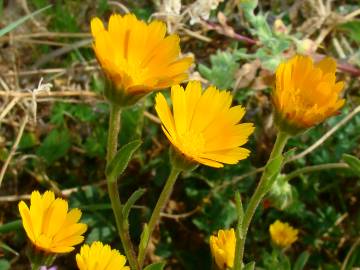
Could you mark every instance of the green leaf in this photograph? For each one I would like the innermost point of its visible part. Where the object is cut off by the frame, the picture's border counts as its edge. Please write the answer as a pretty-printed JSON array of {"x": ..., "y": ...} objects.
[
  {"x": 55, "y": 146},
  {"x": 155, "y": 266},
  {"x": 301, "y": 261},
  {"x": 353, "y": 162},
  {"x": 222, "y": 71},
  {"x": 353, "y": 28},
  {"x": 131, "y": 201},
  {"x": 121, "y": 160},
  {"x": 272, "y": 170},
  {"x": 249, "y": 266},
  {"x": 10, "y": 226},
  {"x": 4, "y": 264},
  {"x": 20, "y": 21},
  {"x": 144, "y": 238}
]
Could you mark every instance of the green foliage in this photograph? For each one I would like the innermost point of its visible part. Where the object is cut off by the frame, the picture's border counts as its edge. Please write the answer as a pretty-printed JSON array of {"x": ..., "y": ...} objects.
[
  {"x": 20, "y": 21},
  {"x": 222, "y": 71},
  {"x": 353, "y": 30},
  {"x": 55, "y": 146},
  {"x": 353, "y": 162},
  {"x": 4, "y": 264},
  {"x": 155, "y": 266},
  {"x": 121, "y": 160}
]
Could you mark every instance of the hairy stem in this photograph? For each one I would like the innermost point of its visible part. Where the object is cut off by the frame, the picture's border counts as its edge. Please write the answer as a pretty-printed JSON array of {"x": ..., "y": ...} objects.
[
  {"x": 163, "y": 199},
  {"x": 259, "y": 194},
  {"x": 112, "y": 144}
]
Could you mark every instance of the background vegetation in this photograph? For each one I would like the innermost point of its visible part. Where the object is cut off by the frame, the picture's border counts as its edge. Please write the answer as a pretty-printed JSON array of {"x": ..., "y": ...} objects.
[{"x": 54, "y": 136}]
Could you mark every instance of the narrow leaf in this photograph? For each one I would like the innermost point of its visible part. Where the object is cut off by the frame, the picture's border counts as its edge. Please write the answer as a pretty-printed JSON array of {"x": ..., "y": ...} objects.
[
  {"x": 131, "y": 201},
  {"x": 11, "y": 226},
  {"x": 144, "y": 238},
  {"x": 353, "y": 162},
  {"x": 301, "y": 261},
  {"x": 249, "y": 266},
  {"x": 155, "y": 266},
  {"x": 121, "y": 160},
  {"x": 20, "y": 21}
]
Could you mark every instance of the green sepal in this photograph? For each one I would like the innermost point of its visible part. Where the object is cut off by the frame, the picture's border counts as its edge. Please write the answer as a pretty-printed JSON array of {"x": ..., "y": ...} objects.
[
  {"x": 285, "y": 125},
  {"x": 181, "y": 162},
  {"x": 39, "y": 257},
  {"x": 119, "y": 96},
  {"x": 121, "y": 160}
]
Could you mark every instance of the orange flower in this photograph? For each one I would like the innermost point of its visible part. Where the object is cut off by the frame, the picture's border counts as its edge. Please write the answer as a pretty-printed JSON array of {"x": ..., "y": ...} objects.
[
  {"x": 306, "y": 93},
  {"x": 49, "y": 225},
  {"x": 203, "y": 126},
  {"x": 137, "y": 57}
]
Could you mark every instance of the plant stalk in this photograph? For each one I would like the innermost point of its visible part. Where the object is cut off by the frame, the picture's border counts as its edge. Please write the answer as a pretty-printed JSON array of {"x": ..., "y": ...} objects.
[
  {"x": 112, "y": 144},
  {"x": 258, "y": 195},
  {"x": 35, "y": 266},
  {"x": 163, "y": 199}
]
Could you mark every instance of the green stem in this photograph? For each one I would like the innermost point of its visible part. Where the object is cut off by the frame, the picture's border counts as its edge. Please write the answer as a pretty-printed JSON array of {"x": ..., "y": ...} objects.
[
  {"x": 315, "y": 168},
  {"x": 259, "y": 194},
  {"x": 239, "y": 236},
  {"x": 121, "y": 223},
  {"x": 155, "y": 216},
  {"x": 35, "y": 266}
]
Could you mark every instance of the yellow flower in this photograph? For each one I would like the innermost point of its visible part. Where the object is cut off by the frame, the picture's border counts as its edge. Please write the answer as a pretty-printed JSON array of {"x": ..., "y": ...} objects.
[
  {"x": 203, "y": 126},
  {"x": 223, "y": 248},
  {"x": 306, "y": 93},
  {"x": 283, "y": 234},
  {"x": 49, "y": 225},
  {"x": 100, "y": 257},
  {"x": 137, "y": 57}
]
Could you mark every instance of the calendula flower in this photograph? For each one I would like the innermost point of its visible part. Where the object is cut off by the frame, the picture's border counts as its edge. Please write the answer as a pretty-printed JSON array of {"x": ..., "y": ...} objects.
[
  {"x": 282, "y": 234},
  {"x": 100, "y": 257},
  {"x": 306, "y": 93},
  {"x": 49, "y": 225},
  {"x": 203, "y": 127},
  {"x": 137, "y": 57},
  {"x": 222, "y": 248}
]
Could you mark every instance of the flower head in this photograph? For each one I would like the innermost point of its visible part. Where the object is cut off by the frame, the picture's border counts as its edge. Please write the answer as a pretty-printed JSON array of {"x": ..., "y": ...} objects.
[
  {"x": 203, "y": 127},
  {"x": 49, "y": 225},
  {"x": 222, "y": 248},
  {"x": 306, "y": 93},
  {"x": 283, "y": 234},
  {"x": 137, "y": 57},
  {"x": 100, "y": 257}
]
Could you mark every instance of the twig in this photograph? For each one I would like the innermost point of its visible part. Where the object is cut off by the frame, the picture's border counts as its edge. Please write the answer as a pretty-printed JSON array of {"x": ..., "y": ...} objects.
[
  {"x": 181, "y": 216},
  {"x": 8, "y": 107},
  {"x": 315, "y": 168},
  {"x": 326, "y": 135},
  {"x": 65, "y": 193},
  {"x": 13, "y": 148},
  {"x": 71, "y": 93},
  {"x": 152, "y": 117}
]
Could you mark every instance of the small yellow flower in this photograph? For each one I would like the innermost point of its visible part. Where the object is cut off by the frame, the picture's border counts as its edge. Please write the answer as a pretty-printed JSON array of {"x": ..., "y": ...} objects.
[
  {"x": 306, "y": 93},
  {"x": 203, "y": 126},
  {"x": 100, "y": 257},
  {"x": 49, "y": 225},
  {"x": 283, "y": 234},
  {"x": 223, "y": 248},
  {"x": 137, "y": 57}
]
